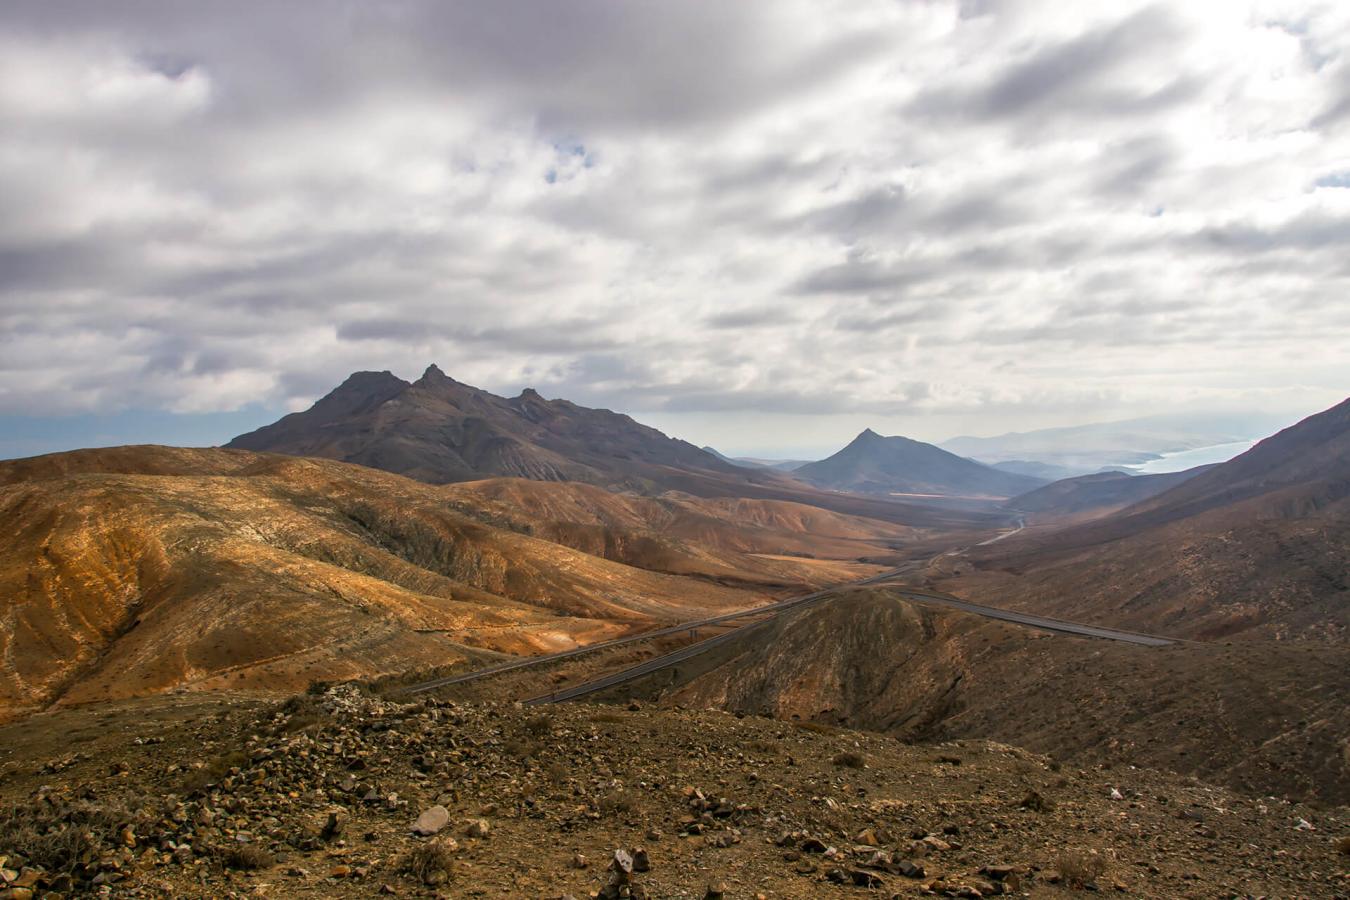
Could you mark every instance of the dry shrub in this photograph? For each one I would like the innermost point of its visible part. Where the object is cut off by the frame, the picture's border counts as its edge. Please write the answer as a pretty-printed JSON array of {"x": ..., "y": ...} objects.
[
  {"x": 616, "y": 802},
  {"x": 247, "y": 857},
  {"x": 850, "y": 759},
  {"x": 426, "y": 860},
  {"x": 1080, "y": 868},
  {"x": 609, "y": 718},
  {"x": 59, "y": 836},
  {"x": 538, "y": 726},
  {"x": 816, "y": 727},
  {"x": 520, "y": 748},
  {"x": 219, "y": 766}
]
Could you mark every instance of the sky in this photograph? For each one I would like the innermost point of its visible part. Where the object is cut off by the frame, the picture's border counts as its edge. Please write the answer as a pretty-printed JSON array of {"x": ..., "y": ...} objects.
[{"x": 760, "y": 225}]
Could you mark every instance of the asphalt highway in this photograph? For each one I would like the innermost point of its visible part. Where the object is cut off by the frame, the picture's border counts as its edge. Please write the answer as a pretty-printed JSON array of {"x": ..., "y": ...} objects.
[
  {"x": 778, "y": 607},
  {"x": 670, "y": 659}
]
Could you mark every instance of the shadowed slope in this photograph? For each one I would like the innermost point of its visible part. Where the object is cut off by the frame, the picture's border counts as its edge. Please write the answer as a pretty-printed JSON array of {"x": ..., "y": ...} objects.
[
  {"x": 1265, "y": 718},
  {"x": 1091, "y": 496},
  {"x": 1255, "y": 547}
]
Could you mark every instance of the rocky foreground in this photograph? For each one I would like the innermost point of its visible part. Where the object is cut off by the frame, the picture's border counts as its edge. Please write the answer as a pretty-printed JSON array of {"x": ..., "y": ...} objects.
[{"x": 346, "y": 794}]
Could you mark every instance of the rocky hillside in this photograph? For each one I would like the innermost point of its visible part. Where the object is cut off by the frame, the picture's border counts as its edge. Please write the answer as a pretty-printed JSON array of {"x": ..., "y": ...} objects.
[
  {"x": 1267, "y": 719},
  {"x": 872, "y": 464},
  {"x": 342, "y": 795}
]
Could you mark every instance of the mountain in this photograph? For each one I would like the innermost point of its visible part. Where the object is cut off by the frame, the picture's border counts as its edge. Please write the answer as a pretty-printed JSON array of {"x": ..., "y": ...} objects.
[
  {"x": 1095, "y": 495},
  {"x": 872, "y": 464},
  {"x": 440, "y": 431},
  {"x": 1257, "y": 547},
  {"x": 1083, "y": 449}
]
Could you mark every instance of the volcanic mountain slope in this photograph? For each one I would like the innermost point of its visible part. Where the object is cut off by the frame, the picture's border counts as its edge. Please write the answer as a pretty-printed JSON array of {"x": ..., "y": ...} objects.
[
  {"x": 873, "y": 464},
  {"x": 438, "y": 430},
  {"x": 1091, "y": 496},
  {"x": 1256, "y": 547},
  {"x": 1261, "y": 717},
  {"x": 236, "y": 569}
]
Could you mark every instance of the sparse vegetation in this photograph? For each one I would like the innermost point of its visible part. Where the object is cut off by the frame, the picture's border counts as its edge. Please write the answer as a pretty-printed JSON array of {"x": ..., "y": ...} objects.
[
  {"x": 59, "y": 836},
  {"x": 430, "y": 863},
  {"x": 247, "y": 857},
  {"x": 1080, "y": 868},
  {"x": 213, "y": 771},
  {"x": 539, "y": 726},
  {"x": 850, "y": 759}
]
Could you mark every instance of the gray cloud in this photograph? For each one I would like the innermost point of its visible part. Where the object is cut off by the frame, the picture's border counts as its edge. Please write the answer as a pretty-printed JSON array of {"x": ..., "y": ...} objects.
[{"x": 690, "y": 209}]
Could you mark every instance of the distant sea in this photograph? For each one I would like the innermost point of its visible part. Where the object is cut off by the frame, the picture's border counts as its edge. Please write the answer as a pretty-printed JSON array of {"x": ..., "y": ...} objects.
[{"x": 1188, "y": 459}]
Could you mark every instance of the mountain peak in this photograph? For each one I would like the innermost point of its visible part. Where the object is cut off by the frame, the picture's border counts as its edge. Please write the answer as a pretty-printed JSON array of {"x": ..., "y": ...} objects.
[
  {"x": 530, "y": 394},
  {"x": 434, "y": 373}
]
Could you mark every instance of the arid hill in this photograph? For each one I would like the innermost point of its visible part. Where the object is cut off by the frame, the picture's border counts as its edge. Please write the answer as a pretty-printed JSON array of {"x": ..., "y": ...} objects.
[
  {"x": 1257, "y": 547},
  {"x": 1267, "y": 718},
  {"x": 438, "y": 430},
  {"x": 135, "y": 570},
  {"x": 1091, "y": 496},
  {"x": 726, "y": 539},
  {"x": 872, "y": 464}
]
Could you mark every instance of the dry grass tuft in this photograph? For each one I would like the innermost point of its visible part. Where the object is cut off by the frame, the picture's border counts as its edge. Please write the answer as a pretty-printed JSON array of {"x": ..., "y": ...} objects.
[{"x": 430, "y": 863}]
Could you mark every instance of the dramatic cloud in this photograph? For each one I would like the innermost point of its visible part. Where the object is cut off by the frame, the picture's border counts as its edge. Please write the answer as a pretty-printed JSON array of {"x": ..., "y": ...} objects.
[{"x": 721, "y": 217}]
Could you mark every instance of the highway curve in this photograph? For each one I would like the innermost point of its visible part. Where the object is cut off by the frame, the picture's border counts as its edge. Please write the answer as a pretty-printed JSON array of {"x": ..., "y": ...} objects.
[
  {"x": 1057, "y": 626},
  {"x": 770, "y": 609}
]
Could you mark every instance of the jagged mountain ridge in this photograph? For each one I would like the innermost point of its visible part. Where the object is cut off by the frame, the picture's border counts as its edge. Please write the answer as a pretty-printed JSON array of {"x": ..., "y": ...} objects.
[{"x": 439, "y": 430}]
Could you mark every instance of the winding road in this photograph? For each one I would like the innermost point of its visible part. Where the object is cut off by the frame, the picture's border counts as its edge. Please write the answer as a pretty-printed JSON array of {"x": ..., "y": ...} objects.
[{"x": 762, "y": 614}]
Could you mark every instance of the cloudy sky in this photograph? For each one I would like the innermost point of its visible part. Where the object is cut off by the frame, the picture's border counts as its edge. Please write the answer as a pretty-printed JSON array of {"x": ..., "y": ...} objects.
[{"x": 760, "y": 225}]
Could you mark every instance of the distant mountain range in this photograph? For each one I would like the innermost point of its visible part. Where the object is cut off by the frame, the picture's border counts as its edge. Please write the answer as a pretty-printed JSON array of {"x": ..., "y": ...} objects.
[
  {"x": 873, "y": 464},
  {"x": 1084, "y": 449},
  {"x": 751, "y": 462},
  {"x": 439, "y": 430}
]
